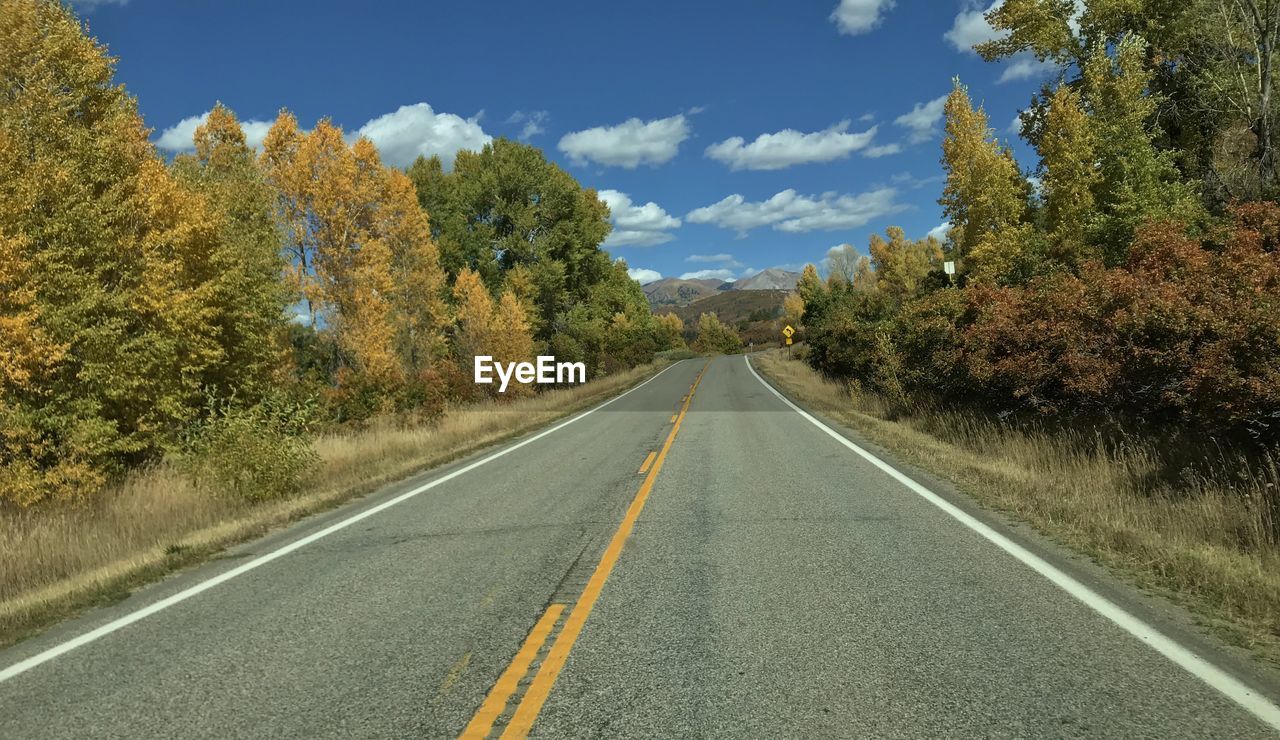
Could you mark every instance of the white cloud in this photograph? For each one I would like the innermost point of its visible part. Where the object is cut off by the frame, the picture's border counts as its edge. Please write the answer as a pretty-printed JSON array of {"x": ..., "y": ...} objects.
[
  {"x": 721, "y": 274},
  {"x": 1015, "y": 127},
  {"x": 940, "y": 231},
  {"x": 789, "y": 147},
  {"x": 637, "y": 226},
  {"x": 882, "y": 150},
  {"x": 922, "y": 120},
  {"x": 629, "y": 144},
  {"x": 908, "y": 180},
  {"x": 179, "y": 137},
  {"x": 970, "y": 27},
  {"x": 400, "y": 136},
  {"x": 89, "y": 5},
  {"x": 1026, "y": 67},
  {"x": 644, "y": 276},
  {"x": 854, "y": 17},
  {"x": 725, "y": 260},
  {"x": 533, "y": 123},
  {"x": 794, "y": 213},
  {"x": 416, "y": 129}
]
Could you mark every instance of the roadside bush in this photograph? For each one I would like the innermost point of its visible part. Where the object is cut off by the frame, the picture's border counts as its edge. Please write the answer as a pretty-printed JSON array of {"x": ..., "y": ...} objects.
[
  {"x": 841, "y": 332},
  {"x": 683, "y": 353},
  {"x": 255, "y": 453},
  {"x": 1185, "y": 331}
]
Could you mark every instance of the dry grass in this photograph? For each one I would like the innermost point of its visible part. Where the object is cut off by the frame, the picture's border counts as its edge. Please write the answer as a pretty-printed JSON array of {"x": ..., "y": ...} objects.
[
  {"x": 1210, "y": 544},
  {"x": 57, "y": 561}
]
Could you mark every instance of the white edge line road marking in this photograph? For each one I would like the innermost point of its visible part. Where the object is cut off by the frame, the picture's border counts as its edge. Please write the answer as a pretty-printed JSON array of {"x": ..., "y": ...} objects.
[
  {"x": 1226, "y": 684},
  {"x": 23, "y": 666}
]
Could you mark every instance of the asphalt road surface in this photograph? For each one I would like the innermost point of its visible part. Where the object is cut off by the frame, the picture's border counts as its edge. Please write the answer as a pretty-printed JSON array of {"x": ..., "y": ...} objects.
[{"x": 759, "y": 578}]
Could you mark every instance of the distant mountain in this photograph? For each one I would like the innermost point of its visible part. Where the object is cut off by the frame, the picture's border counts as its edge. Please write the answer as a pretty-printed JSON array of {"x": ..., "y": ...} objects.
[
  {"x": 674, "y": 292},
  {"x": 770, "y": 279},
  {"x": 733, "y": 306}
]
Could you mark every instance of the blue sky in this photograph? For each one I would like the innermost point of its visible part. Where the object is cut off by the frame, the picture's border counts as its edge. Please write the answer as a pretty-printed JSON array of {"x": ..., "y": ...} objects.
[{"x": 727, "y": 136}]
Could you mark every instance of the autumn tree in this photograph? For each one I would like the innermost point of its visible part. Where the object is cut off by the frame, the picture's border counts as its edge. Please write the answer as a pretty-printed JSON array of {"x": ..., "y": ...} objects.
[
  {"x": 114, "y": 292},
  {"x": 668, "y": 331},
  {"x": 715, "y": 336},
  {"x": 901, "y": 264},
  {"x": 985, "y": 197},
  {"x": 810, "y": 286},
  {"x": 512, "y": 338},
  {"x": 248, "y": 298},
  {"x": 474, "y": 313},
  {"x": 361, "y": 254},
  {"x": 793, "y": 310},
  {"x": 1069, "y": 173}
]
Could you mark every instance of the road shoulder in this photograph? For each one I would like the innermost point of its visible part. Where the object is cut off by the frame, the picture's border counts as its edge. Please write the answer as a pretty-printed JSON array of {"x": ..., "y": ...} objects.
[{"x": 1156, "y": 607}]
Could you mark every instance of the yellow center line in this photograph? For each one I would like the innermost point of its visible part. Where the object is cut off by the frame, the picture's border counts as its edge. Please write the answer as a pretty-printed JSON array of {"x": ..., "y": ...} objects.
[
  {"x": 648, "y": 461},
  {"x": 501, "y": 692},
  {"x": 527, "y": 711}
]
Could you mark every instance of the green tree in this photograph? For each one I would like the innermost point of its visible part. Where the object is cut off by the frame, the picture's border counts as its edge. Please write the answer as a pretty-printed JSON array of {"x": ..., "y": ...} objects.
[
  {"x": 507, "y": 206},
  {"x": 1137, "y": 181}
]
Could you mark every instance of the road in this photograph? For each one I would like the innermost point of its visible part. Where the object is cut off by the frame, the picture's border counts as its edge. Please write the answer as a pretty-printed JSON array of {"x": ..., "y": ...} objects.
[{"x": 759, "y": 579}]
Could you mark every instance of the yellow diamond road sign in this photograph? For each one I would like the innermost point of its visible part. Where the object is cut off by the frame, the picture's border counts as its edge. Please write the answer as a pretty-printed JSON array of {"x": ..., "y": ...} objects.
[{"x": 787, "y": 331}]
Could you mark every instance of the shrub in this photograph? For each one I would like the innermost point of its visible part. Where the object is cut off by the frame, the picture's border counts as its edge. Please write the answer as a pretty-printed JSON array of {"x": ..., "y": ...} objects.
[{"x": 256, "y": 453}]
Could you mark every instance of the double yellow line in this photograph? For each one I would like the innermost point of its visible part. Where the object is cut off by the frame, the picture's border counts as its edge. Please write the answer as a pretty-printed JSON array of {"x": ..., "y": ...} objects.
[{"x": 531, "y": 704}]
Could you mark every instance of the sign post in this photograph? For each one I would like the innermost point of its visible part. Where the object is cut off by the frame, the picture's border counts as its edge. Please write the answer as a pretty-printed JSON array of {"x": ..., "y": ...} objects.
[
  {"x": 949, "y": 267},
  {"x": 787, "y": 331}
]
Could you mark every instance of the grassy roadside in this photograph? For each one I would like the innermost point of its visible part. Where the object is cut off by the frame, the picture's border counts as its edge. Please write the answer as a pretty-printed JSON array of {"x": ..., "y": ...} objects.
[
  {"x": 60, "y": 561},
  {"x": 1209, "y": 546}
]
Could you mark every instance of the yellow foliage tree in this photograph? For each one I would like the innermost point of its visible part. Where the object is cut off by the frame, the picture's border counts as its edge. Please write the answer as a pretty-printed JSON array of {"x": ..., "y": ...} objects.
[
  {"x": 106, "y": 272},
  {"x": 512, "y": 337},
  {"x": 668, "y": 331},
  {"x": 1070, "y": 172},
  {"x": 985, "y": 193},
  {"x": 901, "y": 265},
  {"x": 248, "y": 299},
  {"x": 473, "y": 310},
  {"x": 361, "y": 252},
  {"x": 793, "y": 310},
  {"x": 810, "y": 286}
]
